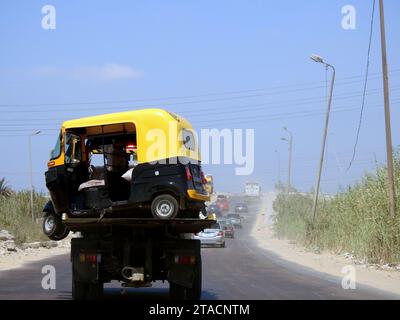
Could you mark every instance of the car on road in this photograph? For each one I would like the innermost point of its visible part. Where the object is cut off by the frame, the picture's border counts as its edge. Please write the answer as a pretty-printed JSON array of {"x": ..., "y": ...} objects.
[
  {"x": 241, "y": 208},
  {"x": 228, "y": 228},
  {"x": 222, "y": 202},
  {"x": 214, "y": 209},
  {"x": 212, "y": 237},
  {"x": 235, "y": 219}
]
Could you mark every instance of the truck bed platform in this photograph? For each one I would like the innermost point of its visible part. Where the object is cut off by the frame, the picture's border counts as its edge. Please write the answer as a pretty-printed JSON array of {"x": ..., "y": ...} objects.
[{"x": 176, "y": 225}]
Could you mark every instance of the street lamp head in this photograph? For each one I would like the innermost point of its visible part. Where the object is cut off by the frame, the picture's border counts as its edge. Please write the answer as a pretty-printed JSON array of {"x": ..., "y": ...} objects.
[
  {"x": 317, "y": 58},
  {"x": 283, "y": 139},
  {"x": 286, "y": 129},
  {"x": 36, "y": 132}
]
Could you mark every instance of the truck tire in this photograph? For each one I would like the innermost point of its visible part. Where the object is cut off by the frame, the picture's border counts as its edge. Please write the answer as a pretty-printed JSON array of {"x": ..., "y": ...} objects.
[
  {"x": 194, "y": 293},
  {"x": 164, "y": 207},
  {"x": 53, "y": 227},
  {"x": 95, "y": 291},
  {"x": 177, "y": 292},
  {"x": 87, "y": 291},
  {"x": 78, "y": 290}
]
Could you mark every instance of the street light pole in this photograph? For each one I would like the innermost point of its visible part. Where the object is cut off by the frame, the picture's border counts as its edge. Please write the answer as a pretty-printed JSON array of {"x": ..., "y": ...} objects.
[
  {"x": 325, "y": 132},
  {"x": 30, "y": 170},
  {"x": 279, "y": 165},
  {"x": 290, "y": 141}
]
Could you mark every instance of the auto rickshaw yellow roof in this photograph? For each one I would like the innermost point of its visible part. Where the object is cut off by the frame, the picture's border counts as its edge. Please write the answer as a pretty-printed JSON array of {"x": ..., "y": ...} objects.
[
  {"x": 146, "y": 117},
  {"x": 157, "y": 130}
]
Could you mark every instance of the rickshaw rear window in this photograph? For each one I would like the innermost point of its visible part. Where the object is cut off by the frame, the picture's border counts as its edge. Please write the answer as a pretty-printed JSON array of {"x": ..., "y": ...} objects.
[{"x": 55, "y": 153}]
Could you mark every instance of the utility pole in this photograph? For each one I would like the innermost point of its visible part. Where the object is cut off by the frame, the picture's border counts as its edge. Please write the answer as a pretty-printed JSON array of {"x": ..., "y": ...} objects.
[
  {"x": 389, "y": 149},
  {"x": 289, "y": 182},
  {"x": 318, "y": 59},
  {"x": 30, "y": 171},
  {"x": 290, "y": 141}
]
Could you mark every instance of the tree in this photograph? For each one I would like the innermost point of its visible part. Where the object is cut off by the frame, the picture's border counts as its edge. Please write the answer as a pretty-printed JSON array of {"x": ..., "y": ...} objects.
[{"x": 5, "y": 190}]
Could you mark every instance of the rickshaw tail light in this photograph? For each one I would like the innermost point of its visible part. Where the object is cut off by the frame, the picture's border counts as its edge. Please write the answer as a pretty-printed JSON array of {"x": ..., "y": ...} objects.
[
  {"x": 188, "y": 174},
  {"x": 130, "y": 147}
]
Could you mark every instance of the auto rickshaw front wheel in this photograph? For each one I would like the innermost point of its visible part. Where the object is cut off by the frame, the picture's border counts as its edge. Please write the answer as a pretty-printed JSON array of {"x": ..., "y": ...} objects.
[
  {"x": 53, "y": 227},
  {"x": 164, "y": 207}
]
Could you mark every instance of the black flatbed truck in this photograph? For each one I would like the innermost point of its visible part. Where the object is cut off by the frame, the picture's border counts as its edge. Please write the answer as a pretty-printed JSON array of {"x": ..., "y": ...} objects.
[{"x": 137, "y": 252}]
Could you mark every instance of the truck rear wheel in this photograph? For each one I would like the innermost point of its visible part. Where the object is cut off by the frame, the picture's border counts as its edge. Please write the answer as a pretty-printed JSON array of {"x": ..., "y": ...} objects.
[
  {"x": 194, "y": 293},
  {"x": 86, "y": 291},
  {"x": 178, "y": 292},
  {"x": 164, "y": 207}
]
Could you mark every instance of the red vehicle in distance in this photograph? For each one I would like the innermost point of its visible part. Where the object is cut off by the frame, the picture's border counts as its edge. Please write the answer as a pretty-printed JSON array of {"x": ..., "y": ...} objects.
[{"x": 222, "y": 202}]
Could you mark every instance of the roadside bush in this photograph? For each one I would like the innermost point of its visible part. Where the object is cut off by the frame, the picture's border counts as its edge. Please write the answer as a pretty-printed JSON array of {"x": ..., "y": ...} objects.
[
  {"x": 356, "y": 220},
  {"x": 15, "y": 216}
]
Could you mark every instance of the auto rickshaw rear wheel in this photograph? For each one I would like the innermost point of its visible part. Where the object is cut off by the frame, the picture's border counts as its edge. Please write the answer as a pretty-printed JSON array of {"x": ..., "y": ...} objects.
[
  {"x": 53, "y": 227},
  {"x": 164, "y": 207}
]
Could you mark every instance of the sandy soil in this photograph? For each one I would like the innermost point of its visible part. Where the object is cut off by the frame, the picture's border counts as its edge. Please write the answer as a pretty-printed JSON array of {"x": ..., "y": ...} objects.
[
  {"x": 325, "y": 262},
  {"x": 21, "y": 257}
]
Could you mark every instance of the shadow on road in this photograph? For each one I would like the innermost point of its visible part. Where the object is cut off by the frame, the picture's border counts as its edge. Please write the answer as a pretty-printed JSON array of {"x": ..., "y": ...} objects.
[{"x": 147, "y": 294}]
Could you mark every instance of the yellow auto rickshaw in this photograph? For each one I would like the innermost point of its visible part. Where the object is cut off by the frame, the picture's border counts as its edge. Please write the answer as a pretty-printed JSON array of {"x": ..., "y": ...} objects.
[{"x": 128, "y": 163}]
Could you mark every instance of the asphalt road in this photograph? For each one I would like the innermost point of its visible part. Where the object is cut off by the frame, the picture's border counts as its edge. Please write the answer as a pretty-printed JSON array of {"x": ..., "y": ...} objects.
[{"x": 240, "y": 271}]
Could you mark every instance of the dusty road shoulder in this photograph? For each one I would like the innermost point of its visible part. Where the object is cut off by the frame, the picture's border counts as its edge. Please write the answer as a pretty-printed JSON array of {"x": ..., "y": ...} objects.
[
  {"x": 328, "y": 263},
  {"x": 21, "y": 257}
]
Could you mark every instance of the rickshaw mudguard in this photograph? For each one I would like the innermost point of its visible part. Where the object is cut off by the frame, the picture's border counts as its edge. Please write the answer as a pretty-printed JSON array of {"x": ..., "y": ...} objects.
[
  {"x": 48, "y": 207},
  {"x": 58, "y": 190}
]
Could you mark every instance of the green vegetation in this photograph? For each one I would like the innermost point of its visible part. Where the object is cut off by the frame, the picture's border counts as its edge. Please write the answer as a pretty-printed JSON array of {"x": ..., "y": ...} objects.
[
  {"x": 15, "y": 215},
  {"x": 356, "y": 220},
  {"x": 5, "y": 190}
]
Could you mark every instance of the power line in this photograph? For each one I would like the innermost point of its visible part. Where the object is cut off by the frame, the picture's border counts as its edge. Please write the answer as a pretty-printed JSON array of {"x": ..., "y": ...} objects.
[
  {"x": 365, "y": 86},
  {"x": 193, "y": 96},
  {"x": 276, "y": 116},
  {"x": 232, "y": 110},
  {"x": 279, "y": 117},
  {"x": 294, "y": 101},
  {"x": 22, "y": 135}
]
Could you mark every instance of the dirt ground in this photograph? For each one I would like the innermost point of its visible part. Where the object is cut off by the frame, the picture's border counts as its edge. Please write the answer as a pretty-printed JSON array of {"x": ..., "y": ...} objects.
[{"x": 21, "y": 257}]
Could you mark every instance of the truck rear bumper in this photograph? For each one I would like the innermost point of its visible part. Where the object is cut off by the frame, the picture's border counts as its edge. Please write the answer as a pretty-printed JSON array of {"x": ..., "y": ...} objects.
[{"x": 176, "y": 261}]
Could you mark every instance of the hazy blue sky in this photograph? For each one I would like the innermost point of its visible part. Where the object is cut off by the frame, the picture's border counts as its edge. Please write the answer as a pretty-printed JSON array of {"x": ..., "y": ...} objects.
[{"x": 127, "y": 51}]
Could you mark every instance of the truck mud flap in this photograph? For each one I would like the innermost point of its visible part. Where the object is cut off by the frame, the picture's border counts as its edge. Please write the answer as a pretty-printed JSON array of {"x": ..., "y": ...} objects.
[
  {"x": 85, "y": 258},
  {"x": 182, "y": 275},
  {"x": 184, "y": 254}
]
